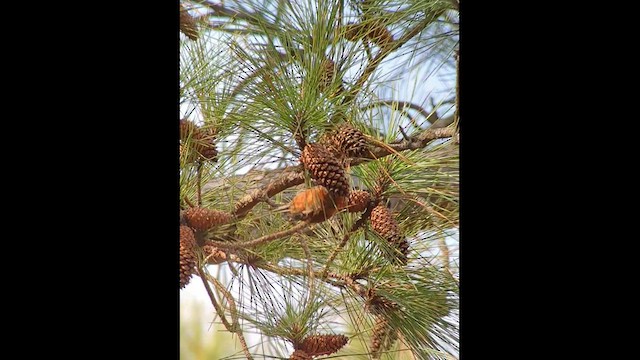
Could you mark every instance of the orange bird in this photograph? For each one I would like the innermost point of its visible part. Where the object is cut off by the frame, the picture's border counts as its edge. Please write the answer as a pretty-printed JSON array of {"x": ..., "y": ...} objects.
[{"x": 315, "y": 204}]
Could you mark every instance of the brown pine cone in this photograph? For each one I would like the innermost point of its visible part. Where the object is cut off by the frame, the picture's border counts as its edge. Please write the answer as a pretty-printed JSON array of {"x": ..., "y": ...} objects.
[
  {"x": 353, "y": 32},
  {"x": 379, "y": 305},
  {"x": 383, "y": 337},
  {"x": 299, "y": 355},
  {"x": 377, "y": 33},
  {"x": 326, "y": 77},
  {"x": 325, "y": 169},
  {"x": 358, "y": 200},
  {"x": 345, "y": 142},
  {"x": 188, "y": 257},
  {"x": 186, "y": 129},
  {"x": 205, "y": 144},
  {"x": 385, "y": 225},
  {"x": 316, "y": 345},
  {"x": 350, "y": 141},
  {"x": 188, "y": 24},
  {"x": 201, "y": 140},
  {"x": 202, "y": 219}
]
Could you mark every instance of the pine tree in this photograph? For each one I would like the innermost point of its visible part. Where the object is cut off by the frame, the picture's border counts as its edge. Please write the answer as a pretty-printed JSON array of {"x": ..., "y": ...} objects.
[{"x": 319, "y": 174}]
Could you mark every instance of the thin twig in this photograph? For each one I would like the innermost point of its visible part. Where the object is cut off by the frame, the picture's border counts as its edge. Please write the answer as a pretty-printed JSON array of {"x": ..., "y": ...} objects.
[
  {"x": 404, "y": 134},
  {"x": 260, "y": 240},
  {"x": 444, "y": 252},
  {"x": 188, "y": 202},
  {"x": 232, "y": 305},
  {"x": 294, "y": 175},
  {"x": 416, "y": 142},
  {"x": 338, "y": 280},
  {"x": 444, "y": 122},
  {"x": 234, "y": 315},
  {"x": 216, "y": 306},
  {"x": 272, "y": 204},
  {"x": 457, "y": 101},
  {"x": 285, "y": 181}
]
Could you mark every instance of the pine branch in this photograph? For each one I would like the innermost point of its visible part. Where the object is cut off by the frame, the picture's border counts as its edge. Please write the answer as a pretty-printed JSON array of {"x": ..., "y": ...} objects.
[
  {"x": 337, "y": 280},
  {"x": 232, "y": 328},
  {"x": 214, "y": 302},
  {"x": 234, "y": 315},
  {"x": 261, "y": 240},
  {"x": 293, "y": 175},
  {"x": 444, "y": 122},
  {"x": 285, "y": 181},
  {"x": 276, "y": 115},
  {"x": 415, "y": 142}
]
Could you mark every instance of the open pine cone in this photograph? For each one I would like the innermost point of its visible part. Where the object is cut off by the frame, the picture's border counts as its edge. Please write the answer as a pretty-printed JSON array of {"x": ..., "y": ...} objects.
[
  {"x": 202, "y": 219},
  {"x": 316, "y": 345},
  {"x": 325, "y": 169},
  {"x": 385, "y": 225},
  {"x": 188, "y": 256},
  {"x": 299, "y": 355},
  {"x": 358, "y": 200},
  {"x": 202, "y": 141}
]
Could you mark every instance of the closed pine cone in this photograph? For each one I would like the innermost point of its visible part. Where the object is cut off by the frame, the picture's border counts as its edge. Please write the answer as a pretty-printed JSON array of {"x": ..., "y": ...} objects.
[
  {"x": 325, "y": 169},
  {"x": 187, "y": 255},
  {"x": 327, "y": 71},
  {"x": 379, "y": 305},
  {"x": 299, "y": 355},
  {"x": 353, "y": 32},
  {"x": 205, "y": 144},
  {"x": 378, "y": 34},
  {"x": 202, "y": 219},
  {"x": 350, "y": 140},
  {"x": 202, "y": 140},
  {"x": 385, "y": 225},
  {"x": 382, "y": 338},
  {"x": 358, "y": 200},
  {"x": 186, "y": 129},
  {"x": 374, "y": 30},
  {"x": 316, "y": 345},
  {"x": 188, "y": 24}
]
